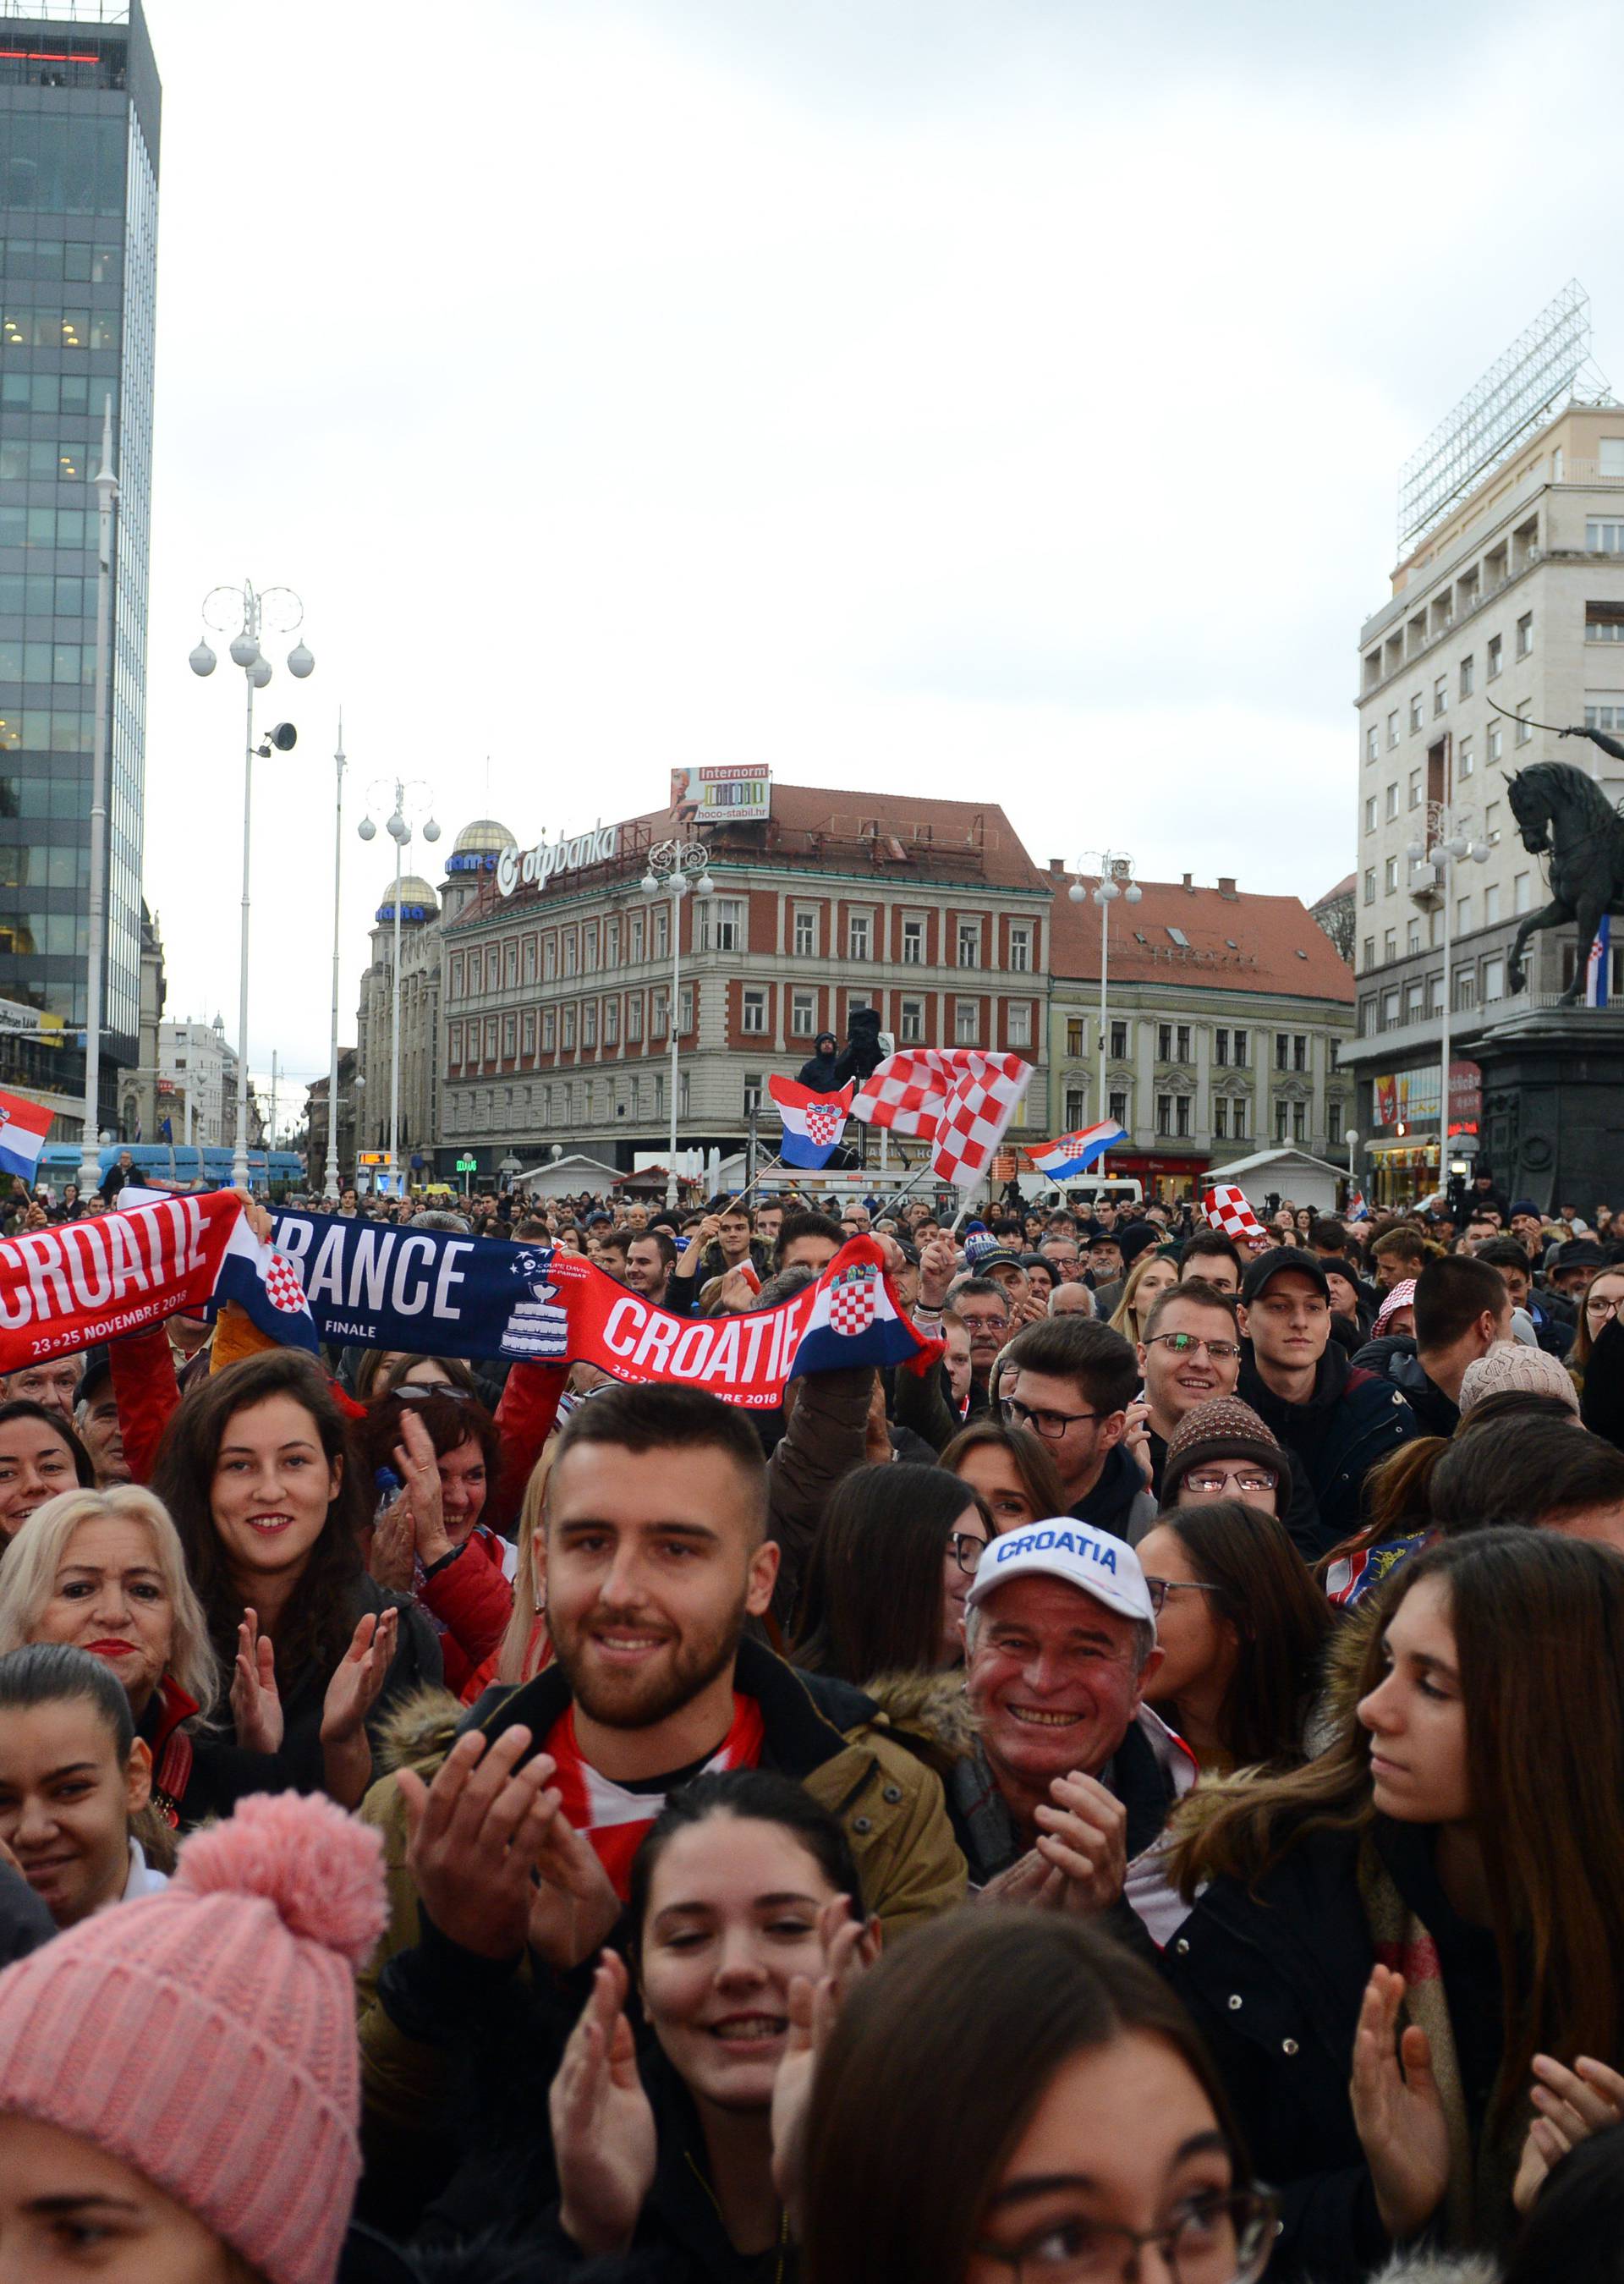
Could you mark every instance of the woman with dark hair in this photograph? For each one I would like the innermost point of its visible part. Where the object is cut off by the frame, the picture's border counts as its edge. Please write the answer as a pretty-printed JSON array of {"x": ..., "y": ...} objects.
[
  {"x": 1422, "y": 1840},
  {"x": 73, "y": 1778},
  {"x": 1010, "y": 2098},
  {"x": 40, "y": 1455},
  {"x": 257, "y": 1471},
  {"x": 430, "y": 1541},
  {"x": 1604, "y": 1297},
  {"x": 1011, "y": 1470},
  {"x": 662, "y": 2144},
  {"x": 1242, "y": 1629},
  {"x": 886, "y": 1582}
]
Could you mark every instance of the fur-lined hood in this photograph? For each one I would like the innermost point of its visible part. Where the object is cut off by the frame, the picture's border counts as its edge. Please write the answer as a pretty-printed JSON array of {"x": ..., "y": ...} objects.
[
  {"x": 1345, "y": 1655},
  {"x": 419, "y": 1732},
  {"x": 929, "y": 1713}
]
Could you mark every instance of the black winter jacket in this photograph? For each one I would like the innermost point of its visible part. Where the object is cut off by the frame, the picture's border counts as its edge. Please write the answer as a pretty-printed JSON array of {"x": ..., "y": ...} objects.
[
  {"x": 1393, "y": 1358},
  {"x": 1352, "y": 1419}
]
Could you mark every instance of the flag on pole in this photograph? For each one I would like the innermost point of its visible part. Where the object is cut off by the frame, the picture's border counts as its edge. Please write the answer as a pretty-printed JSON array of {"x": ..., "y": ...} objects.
[
  {"x": 1596, "y": 967},
  {"x": 1357, "y": 1210},
  {"x": 23, "y": 1128},
  {"x": 855, "y": 1319},
  {"x": 961, "y": 1098},
  {"x": 1226, "y": 1208},
  {"x": 1073, "y": 1154},
  {"x": 813, "y": 1122}
]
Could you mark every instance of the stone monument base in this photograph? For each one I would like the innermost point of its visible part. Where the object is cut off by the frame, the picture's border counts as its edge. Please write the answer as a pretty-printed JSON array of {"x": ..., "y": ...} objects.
[{"x": 1552, "y": 1125}]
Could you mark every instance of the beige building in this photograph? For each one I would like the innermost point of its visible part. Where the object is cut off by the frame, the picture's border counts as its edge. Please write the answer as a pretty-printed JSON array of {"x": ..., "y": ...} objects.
[{"x": 1517, "y": 598}]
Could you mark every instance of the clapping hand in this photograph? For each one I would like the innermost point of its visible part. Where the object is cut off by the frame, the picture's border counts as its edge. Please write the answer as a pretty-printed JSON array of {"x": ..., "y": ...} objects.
[
  {"x": 850, "y": 1947},
  {"x": 1398, "y": 2111},
  {"x": 604, "y": 2141},
  {"x": 347, "y": 1751},
  {"x": 1572, "y": 2104},
  {"x": 1080, "y": 1863},
  {"x": 418, "y": 1466},
  {"x": 256, "y": 1703}
]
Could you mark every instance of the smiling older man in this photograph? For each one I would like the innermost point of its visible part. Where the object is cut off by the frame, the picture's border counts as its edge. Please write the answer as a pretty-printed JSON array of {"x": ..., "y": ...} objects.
[{"x": 1066, "y": 1794}]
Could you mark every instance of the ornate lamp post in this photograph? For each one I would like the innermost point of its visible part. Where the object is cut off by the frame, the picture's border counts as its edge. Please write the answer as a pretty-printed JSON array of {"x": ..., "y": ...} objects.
[
  {"x": 413, "y": 796},
  {"x": 676, "y": 866},
  {"x": 1450, "y": 839},
  {"x": 1112, "y": 873}
]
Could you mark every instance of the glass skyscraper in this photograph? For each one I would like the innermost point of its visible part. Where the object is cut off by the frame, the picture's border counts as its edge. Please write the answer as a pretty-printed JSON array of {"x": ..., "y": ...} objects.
[{"x": 79, "y": 126}]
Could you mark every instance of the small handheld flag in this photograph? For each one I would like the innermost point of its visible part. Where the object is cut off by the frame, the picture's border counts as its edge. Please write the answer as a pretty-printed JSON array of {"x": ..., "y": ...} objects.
[
  {"x": 813, "y": 1122},
  {"x": 23, "y": 1127},
  {"x": 1225, "y": 1206},
  {"x": 1073, "y": 1154}
]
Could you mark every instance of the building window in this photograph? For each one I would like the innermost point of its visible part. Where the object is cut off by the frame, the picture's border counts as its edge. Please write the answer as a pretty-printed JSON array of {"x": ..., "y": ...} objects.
[
  {"x": 1121, "y": 1043},
  {"x": 1369, "y": 813},
  {"x": 1389, "y": 944},
  {"x": 1525, "y": 728},
  {"x": 1441, "y": 696},
  {"x": 859, "y": 935},
  {"x": 1283, "y": 1111},
  {"x": 612, "y": 944},
  {"x": 1282, "y": 1051},
  {"x": 967, "y": 1022},
  {"x": 1465, "y": 764},
  {"x": 1412, "y": 939},
  {"x": 1415, "y": 789},
  {"x": 911, "y": 1028},
  {"x": 1299, "y": 1051},
  {"x": 1182, "y": 1043},
  {"x": 1333, "y": 1123},
  {"x": 1418, "y": 711},
  {"x": 588, "y": 949},
  {"x": 589, "y": 1024},
  {"x": 1221, "y": 1118},
  {"x": 510, "y": 1035},
  {"x": 571, "y": 951},
  {"x": 1372, "y": 741},
  {"x": 1299, "y": 1122},
  {"x": 1521, "y": 901},
  {"x": 548, "y": 1030},
  {"x": 569, "y": 1029},
  {"x": 801, "y": 1015},
  {"x": 456, "y": 975},
  {"x": 1368, "y": 952},
  {"x": 634, "y": 1019},
  {"x": 1021, "y": 950},
  {"x": 1073, "y": 1036},
  {"x": 721, "y": 924},
  {"x": 1118, "y": 1111},
  {"x": 1493, "y": 979},
  {"x": 661, "y": 933},
  {"x": 1468, "y": 679},
  {"x": 1164, "y": 1114},
  {"x": 1390, "y": 875},
  {"x": 1603, "y": 717},
  {"x": 529, "y": 960},
  {"x": 1491, "y": 903},
  {"x": 612, "y": 1022},
  {"x": 806, "y": 933},
  {"x": 754, "y": 1019},
  {"x": 1495, "y": 653},
  {"x": 970, "y": 943},
  {"x": 1390, "y": 1009},
  {"x": 637, "y": 938},
  {"x": 1604, "y": 537},
  {"x": 490, "y": 1038},
  {"x": 1019, "y": 1021},
  {"x": 1493, "y": 738},
  {"x": 1525, "y": 635},
  {"x": 658, "y": 1013},
  {"x": 684, "y": 1010},
  {"x": 1221, "y": 1046},
  {"x": 1074, "y": 1110},
  {"x": 549, "y": 957},
  {"x": 913, "y": 944},
  {"x": 1393, "y": 730},
  {"x": 1164, "y": 1043}
]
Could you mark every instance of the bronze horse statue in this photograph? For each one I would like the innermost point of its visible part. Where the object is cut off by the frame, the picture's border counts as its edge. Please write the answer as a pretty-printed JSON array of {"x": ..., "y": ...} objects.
[{"x": 1562, "y": 810}]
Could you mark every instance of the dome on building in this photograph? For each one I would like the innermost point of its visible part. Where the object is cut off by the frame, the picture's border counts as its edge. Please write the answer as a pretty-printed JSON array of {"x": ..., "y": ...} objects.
[
  {"x": 418, "y": 901},
  {"x": 484, "y": 837}
]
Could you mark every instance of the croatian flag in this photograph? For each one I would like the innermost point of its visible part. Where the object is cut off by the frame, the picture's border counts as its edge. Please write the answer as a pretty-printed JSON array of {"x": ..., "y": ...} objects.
[
  {"x": 856, "y": 1318},
  {"x": 813, "y": 1123},
  {"x": 265, "y": 1284},
  {"x": 1597, "y": 965},
  {"x": 1073, "y": 1152},
  {"x": 23, "y": 1128},
  {"x": 1357, "y": 1210}
]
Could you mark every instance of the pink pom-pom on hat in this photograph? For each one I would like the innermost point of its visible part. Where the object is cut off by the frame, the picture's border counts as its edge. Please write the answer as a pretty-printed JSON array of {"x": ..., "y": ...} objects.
[
  {"x": 205, "y": 2035},
  {"x": 320, "y": 1869}
]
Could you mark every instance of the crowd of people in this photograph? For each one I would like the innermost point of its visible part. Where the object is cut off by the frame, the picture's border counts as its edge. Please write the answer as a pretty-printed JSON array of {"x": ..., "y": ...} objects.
[{"x": 1141, "y": 1798}]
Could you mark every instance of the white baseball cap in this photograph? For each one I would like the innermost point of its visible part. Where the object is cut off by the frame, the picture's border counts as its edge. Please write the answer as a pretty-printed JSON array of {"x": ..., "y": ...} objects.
[{"x": 1092, "y": 1560}]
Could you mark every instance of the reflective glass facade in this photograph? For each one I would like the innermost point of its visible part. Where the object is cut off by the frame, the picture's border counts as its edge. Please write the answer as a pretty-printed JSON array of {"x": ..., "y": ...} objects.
[{"x": 79, "y": 135}]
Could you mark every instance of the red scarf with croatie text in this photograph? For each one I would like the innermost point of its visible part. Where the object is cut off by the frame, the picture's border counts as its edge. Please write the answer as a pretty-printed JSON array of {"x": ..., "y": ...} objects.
[{"x": 615, "y": 1818}]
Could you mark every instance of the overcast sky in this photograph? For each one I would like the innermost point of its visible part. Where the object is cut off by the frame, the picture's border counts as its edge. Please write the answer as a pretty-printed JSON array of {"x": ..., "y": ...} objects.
[{"x": 996, "y": 400}]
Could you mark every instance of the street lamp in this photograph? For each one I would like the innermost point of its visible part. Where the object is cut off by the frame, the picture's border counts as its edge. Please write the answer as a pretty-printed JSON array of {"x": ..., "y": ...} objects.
[
  {"x": 676, "y": 866},
  {"x": 245, "y": 614},
  {"x": 415, "y": 797},
  {"x": 1112, "y": 873},
  {"x": 330, "y": 1188},
  {"x": 1449, "y": 840},
  {"x": 107, "y": 490}
]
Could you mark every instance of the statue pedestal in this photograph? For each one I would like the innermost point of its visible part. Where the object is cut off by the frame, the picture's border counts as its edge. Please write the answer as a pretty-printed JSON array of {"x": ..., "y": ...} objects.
[{"x": 1553, "y": 1105}]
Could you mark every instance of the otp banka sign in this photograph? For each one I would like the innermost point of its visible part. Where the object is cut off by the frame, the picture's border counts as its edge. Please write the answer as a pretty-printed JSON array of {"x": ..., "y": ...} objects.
[{"x": 547, "y": 859}]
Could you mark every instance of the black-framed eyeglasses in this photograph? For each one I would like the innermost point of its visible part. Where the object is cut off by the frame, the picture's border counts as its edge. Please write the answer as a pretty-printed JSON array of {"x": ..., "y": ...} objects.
[
  {"x": 1050, "y": 1425},
  {"x": 1199, "y": 1481},
  {"x": 1190, "y": 1344},
  {"x": 1214, "y": 2241},
  {"x": 1159, "y": 1590},
  {"x": 966, "y": 1550}
]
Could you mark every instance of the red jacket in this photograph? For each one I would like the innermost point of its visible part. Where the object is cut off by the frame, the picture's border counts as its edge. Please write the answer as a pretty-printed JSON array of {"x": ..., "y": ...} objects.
[{"x": 471, "y": 1602}]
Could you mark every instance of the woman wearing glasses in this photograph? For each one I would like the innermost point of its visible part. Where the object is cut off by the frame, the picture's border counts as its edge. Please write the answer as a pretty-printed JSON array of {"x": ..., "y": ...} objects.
[
  {"x": 1242, "y": 1630},
  {"x": 1009, "y": 2098},
  {"x": 889, "y": 1570},
  {"x": 1604, "y": 1297}
]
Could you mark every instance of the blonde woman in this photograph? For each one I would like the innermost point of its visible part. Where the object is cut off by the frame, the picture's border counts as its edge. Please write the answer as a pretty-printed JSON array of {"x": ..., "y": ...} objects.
[
  {"x": 527, "y": 1647},
  {"x": 1152, "y": 1273},
  {"x": 102, "y": 1571}
]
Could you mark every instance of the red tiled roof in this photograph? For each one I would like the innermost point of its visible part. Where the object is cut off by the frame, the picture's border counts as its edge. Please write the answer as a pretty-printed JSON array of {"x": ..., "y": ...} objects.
[
  {"x": 895, "y": 833},
  {"x": 1238, "y": 942}
]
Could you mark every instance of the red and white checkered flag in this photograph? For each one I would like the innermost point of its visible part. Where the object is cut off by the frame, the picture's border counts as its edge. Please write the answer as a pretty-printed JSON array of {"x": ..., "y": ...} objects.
[
  {"x": 958, "y": 1097},
  {"x": 1227, "y": 1209}
]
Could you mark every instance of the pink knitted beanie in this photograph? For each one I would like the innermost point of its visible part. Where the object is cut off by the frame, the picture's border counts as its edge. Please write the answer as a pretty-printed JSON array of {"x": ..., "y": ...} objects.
[{"x": 206, "y": 2035}]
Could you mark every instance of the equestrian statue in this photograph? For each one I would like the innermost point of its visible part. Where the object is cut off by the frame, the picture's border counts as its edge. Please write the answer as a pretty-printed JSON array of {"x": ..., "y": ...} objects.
[{"x": 1562, "y": 811}]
